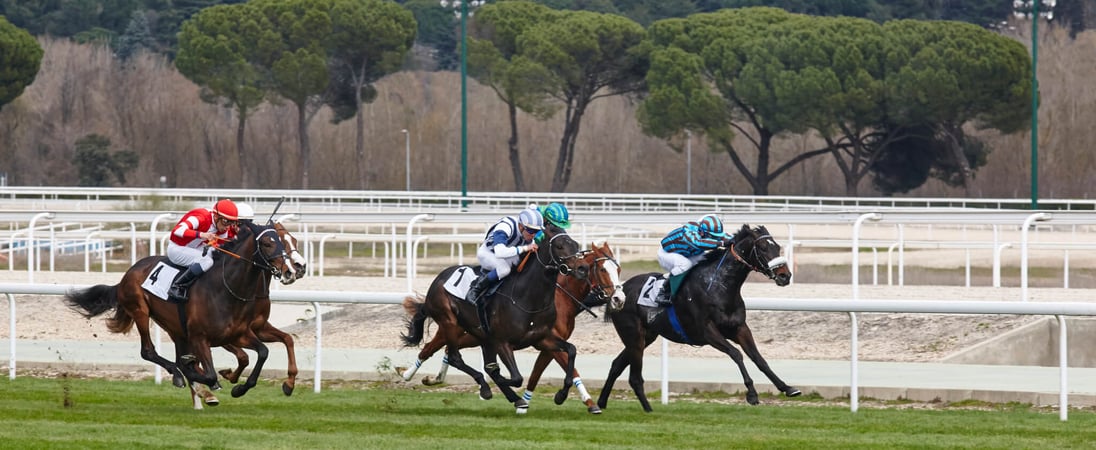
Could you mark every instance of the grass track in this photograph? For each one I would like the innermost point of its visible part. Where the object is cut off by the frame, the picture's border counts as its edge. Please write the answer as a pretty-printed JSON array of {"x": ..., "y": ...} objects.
[{"x": 139, "y": 414}]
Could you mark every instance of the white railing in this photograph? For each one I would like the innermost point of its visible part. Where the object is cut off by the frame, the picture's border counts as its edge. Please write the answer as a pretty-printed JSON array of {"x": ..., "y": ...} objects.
[{"x": 944, "y": 306}]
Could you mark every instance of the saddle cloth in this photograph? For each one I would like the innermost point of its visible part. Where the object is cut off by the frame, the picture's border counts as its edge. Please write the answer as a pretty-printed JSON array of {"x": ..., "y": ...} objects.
[
  {"x": 160, "y": 279},
  {"x": 650, "y": 290},
  {"x": 460, "y": 281}
]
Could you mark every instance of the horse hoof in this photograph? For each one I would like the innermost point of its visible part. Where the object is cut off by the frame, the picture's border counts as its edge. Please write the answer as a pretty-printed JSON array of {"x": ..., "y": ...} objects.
[
  {"x": 216, "y": 386},
  {"x": 792, "y": 392},
  {"x": 560, "y": 397},
  {"x": 426, "y": 381},
  {"x": 517, "y": 382},
  {"x": 287, "y": 389},
  {"x": 593, "y": 409},
  {"x": 485, "y": 393},
  {"x": 212, "y": 401},
  {"x": 752, "y": 399},
  {"x": 521, "y": 406},
  {"x": 177, "y": 380},
  {"x": 239, "y": 391}
]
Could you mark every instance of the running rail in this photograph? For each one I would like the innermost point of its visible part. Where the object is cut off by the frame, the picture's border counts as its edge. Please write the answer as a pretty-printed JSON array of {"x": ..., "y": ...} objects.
[{"x": 1058, "y": 309}]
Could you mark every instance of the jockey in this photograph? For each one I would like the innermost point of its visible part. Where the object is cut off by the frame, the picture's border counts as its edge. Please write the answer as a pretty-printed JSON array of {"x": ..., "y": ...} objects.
[
  {"x": 191, "y": 238},
  {"x": 244, "y": 212},
  {"x": 683, "y": 247},
  {"x": 505, "y": 241}
]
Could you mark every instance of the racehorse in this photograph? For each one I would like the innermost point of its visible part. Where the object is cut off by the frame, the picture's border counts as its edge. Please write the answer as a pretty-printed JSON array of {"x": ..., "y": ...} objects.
[
  {"x": 263, "y": 329},
  {"x": 521, "y": 313},
  {"x": 572, "y": 296},
  {"x": 707, "y": 310},
  {"x": 220, "y": 308}
]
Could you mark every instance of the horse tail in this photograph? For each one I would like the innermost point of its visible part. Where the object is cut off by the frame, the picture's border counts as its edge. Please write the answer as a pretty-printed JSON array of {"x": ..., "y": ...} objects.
[
  {"x": 97, "y": 300},
  {"x": 92, "y": 301},
  {"x": 416, "y": 324}
]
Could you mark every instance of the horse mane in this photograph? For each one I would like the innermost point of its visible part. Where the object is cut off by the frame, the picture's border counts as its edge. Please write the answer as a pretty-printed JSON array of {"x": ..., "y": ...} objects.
[{"x": 715, "y": 255}]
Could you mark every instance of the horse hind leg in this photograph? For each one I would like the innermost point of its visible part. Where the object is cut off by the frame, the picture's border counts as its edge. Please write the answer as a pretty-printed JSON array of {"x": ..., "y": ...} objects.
[
  {"x": 720, "y": 343},
  {"x": 490, "y": 359},
  {"x": 148, "y": 351},
  {"x": 455, "y": 360}
]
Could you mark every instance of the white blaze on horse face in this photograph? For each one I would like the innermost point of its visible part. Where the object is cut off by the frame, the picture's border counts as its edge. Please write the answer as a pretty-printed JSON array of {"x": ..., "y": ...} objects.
[
  {"x": 617, "y": 300},
  {"x": 777, "y": 262}
]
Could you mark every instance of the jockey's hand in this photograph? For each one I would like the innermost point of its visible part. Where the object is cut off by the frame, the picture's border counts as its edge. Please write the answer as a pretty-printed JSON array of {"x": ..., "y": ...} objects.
[
  {"x": 206, "y": 236},
  {"x": 727, "y": 243},
  {"x": 532, "y": 247}
]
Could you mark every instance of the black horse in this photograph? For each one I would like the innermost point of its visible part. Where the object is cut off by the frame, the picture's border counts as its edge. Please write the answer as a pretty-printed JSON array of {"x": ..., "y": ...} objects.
[
  {"x": 220, "y": 308},
  {"x": 521, "y": 313},
  {"x": 707, "y": 310}
]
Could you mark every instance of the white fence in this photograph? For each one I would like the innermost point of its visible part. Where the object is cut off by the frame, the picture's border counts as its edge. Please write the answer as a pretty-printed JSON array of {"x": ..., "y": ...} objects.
[{"x": 852, "y": 307}]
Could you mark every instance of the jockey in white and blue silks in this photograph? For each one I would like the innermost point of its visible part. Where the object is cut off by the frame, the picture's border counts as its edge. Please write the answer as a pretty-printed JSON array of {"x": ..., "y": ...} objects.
[
  {"x": 683, "y": 247},
  {"x": 502, "y": 247}
]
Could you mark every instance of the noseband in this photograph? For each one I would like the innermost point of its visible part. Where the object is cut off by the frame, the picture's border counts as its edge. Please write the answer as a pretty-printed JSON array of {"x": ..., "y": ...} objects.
[{"x": 769, "y": 269}]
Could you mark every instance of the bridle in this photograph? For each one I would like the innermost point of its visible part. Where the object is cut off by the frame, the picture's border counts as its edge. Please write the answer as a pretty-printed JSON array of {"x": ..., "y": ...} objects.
[
  {"x": 596, "y": 286},
  {"x": 559, "y": 263},
  {"x": 258, "y": 259},
  {"x": 767, "y": 269}
]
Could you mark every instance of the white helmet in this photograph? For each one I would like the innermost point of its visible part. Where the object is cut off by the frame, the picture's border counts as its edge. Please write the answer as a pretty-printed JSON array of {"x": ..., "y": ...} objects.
[{"x": 244, "y": 211}]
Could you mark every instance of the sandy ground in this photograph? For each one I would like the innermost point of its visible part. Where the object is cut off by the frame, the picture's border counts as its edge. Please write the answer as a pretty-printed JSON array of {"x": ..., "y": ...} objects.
[{"x": 780, "y": 335}]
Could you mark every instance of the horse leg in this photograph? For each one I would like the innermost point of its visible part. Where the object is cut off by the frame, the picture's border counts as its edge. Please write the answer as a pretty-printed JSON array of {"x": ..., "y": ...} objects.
[
  {"x": 253, "y": 379},
  {"x": 242, "y": 361},
  {"x": 538, "y": 369},
  {"x": 719, "y": 342},
  {"x": 457, "y": 361},
  {"x": 148, "y": 351},
  {"x": 491, "y": 366},
  {"x": 568, "y": 369},
  {"x": 269, "y": 333},
  {"x": 744, "y": 338},
  {"x": 591, "y": 407}
]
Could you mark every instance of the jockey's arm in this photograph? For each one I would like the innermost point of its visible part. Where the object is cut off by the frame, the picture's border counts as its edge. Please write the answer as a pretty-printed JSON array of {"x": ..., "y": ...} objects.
[{"x": 499, "y": 247}]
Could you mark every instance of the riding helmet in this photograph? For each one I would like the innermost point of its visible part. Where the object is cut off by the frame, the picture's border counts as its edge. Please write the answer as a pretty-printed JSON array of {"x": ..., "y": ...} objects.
[
  {"x": 556, "y": 214},
  {"x": 245, "y": 212},
  {"x": 531, "y": 219},
  {"x": 712, "y": 225},
  {"x": 225, "y": 208}
]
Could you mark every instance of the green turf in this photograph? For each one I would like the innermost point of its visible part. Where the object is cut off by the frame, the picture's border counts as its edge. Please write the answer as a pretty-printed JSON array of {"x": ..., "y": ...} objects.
[{"x": 93, "y": 413}]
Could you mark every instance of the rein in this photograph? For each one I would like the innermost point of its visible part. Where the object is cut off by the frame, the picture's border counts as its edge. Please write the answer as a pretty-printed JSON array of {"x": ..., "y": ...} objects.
[{"x": 265, "y": 266}]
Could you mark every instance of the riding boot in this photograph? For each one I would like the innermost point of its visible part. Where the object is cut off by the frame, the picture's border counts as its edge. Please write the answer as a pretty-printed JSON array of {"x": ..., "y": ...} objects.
[
  {"x": 476, "y": 288},
  {"x": 179, "y": 288},
  {"x": 664, "y": 297}
]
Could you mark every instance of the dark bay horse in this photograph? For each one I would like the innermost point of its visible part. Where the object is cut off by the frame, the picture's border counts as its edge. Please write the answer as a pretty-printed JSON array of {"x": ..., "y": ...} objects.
[
  {"x": 572, "y": 296},
  {"x": 521, "y": 312},
  {"x": 707, "y": 310},
  {"x": 262, "y": 328},
  {"x": 220, "y": 309}
]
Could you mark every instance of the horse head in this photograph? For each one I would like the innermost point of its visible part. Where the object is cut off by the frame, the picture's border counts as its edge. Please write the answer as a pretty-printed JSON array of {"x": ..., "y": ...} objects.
[
  {"x": 606, "y": 282},
  {"x": 757, "y": 249},
  {"x": 563, "y": 253},
  {"x": 297, "y": 268},
  {"x": 269, "y": 254}
]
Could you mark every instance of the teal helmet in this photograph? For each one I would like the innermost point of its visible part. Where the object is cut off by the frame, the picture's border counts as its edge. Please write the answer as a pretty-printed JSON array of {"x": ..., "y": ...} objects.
[
  {"x": 556, "y": 214},
  {"x": 712, "y": 225}
]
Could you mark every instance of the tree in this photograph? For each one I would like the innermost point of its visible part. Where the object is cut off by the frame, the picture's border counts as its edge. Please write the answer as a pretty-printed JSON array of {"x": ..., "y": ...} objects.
[
  {"x": 217, "y": 48},
  {"x": 494, "y": 61},
  {"x": 588, "y": 56},
  {"x": 369, "y": 39},
  {"x": 98, "y": 166},
  {"x": 293, "y": 55},
  {"x": 943, "y": 76},
  {"x": 20, "y": 59},
  {"x": 711, "y": 74},
  {"x": 137, "y": 37}
]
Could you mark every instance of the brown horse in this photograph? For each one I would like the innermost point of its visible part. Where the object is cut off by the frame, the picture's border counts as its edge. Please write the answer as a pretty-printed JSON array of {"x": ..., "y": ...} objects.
[
  {"x": 521, "y": 313},
  {"x": 263, "y": 329},
  {"x": 219, "y": 309},
  {"x": 572, "y": 296},
  {"x": 707, "y": 310}
]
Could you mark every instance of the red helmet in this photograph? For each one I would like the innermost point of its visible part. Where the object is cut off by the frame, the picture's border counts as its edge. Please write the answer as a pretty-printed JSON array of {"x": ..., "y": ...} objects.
[{"x": 225, "y": 208}]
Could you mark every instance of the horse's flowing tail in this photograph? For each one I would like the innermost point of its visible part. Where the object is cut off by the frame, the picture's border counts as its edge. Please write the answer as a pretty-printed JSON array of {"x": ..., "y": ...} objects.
[
  {"x": 416, "y": 324},
  {"x": 97, "y": 300}
]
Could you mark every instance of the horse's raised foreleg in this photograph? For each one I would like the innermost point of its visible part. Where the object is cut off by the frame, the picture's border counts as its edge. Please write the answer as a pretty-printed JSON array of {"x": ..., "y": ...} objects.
[
  {"x": 561, "y": 358},
  {"x": 719, "y": 342},
  {"x": 744, "y": 338},
  {"x": 202, "y": 371},
  {"x": 270, "y": 333},
  {"x": 242, "y": 360},
  {"x": 253, "y": 378}
]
